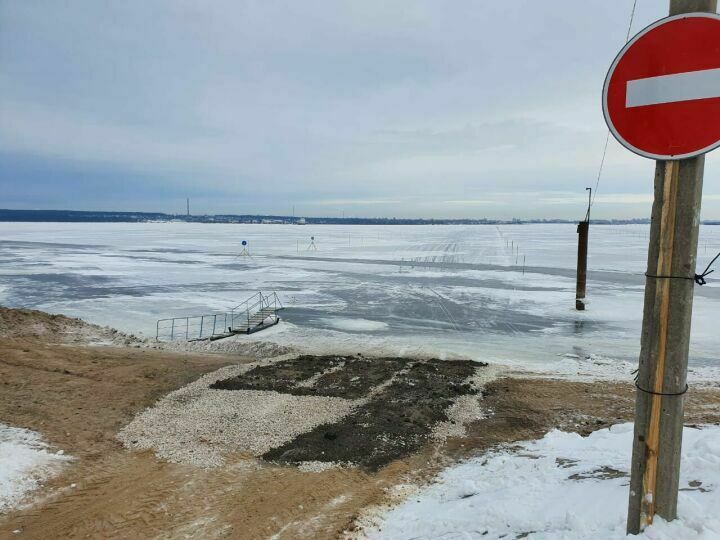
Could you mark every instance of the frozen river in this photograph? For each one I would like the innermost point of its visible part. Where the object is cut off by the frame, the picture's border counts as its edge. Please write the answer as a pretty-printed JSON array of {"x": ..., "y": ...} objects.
[{"x": 442, "y": 290}]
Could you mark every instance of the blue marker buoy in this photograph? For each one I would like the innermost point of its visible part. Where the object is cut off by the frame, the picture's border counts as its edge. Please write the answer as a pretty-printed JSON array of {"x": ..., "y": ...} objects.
[{"x": 245, "y": 252}]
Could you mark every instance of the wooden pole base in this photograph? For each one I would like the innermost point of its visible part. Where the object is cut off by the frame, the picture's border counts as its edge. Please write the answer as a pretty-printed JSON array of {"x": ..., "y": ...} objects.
[{"x": 665, "y": 342}]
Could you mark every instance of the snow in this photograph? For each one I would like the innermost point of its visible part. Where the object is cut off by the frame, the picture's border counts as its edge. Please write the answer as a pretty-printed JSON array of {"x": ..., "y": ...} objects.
[
  {"x": 25, "y": 462},
  {"x": 562, "y": 486}
]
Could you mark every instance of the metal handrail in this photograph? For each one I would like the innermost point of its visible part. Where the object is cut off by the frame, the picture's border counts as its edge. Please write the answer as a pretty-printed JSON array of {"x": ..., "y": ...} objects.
[
  {"x": 208, "y": 325},
  {"x": 257, "y": 294},
  {"x": 275, "y": 301}
]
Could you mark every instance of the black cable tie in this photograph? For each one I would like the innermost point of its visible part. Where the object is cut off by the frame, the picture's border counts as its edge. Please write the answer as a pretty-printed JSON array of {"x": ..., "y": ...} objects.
[
  {"x": 694, "y": 278},
  {"x": 705, "y": 272},
  {"x": 700, "y": 280},
  {"x": 662, "y": 393},
  {"x": 697, "y": 278}
]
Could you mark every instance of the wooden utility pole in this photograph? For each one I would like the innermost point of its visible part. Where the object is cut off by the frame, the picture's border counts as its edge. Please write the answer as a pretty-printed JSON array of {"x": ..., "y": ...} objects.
[
  {"x": 583, "y": 230},
  {"x": 665, "y": 340}
]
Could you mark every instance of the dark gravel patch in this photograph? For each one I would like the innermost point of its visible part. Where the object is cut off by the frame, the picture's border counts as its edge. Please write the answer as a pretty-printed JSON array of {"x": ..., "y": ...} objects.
[
  {"x": 355, "y": 378},
  {"x": 280, "y": 376},
  {"x": 358, "y": 376},
  {"x": 395, "y": 423}
]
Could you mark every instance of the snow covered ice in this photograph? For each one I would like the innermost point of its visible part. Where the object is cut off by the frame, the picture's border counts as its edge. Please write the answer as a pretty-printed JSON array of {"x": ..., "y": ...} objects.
[
  {"x": 562, "y": 486},
  {"x": 434, "y": 290}
]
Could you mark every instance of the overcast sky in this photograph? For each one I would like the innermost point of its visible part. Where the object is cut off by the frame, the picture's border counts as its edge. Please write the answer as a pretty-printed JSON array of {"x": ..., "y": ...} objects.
[{"x": 372, "y": 107}]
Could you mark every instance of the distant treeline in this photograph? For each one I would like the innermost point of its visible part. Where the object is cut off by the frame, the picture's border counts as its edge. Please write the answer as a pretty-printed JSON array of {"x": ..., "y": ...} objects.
[{"x": 73, "y": 216}]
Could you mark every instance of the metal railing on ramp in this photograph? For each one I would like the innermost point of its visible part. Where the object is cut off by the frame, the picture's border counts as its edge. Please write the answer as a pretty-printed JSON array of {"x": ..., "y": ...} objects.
[{"x": 247, "y": 317}]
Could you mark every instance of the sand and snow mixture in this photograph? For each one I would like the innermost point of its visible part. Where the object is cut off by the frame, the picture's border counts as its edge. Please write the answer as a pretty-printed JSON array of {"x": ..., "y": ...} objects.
[{"x": 25, "y": 462}]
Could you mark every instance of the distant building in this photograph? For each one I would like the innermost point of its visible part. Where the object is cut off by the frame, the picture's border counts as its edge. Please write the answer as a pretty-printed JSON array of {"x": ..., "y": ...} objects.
[{"x": 300, "y": 221}]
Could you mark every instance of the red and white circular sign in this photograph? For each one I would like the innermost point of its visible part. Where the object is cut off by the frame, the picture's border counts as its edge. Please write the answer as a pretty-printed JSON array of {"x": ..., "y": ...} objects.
[{"x": 661, "y": 97}]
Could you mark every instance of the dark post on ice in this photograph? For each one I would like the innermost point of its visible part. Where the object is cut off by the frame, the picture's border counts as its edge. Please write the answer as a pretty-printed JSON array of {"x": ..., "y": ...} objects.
[{"x": 583, "y": 230}]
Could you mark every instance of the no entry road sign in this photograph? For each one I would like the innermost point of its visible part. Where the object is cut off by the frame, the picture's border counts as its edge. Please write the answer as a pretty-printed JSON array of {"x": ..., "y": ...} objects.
[{"x": 661, "y": 97}]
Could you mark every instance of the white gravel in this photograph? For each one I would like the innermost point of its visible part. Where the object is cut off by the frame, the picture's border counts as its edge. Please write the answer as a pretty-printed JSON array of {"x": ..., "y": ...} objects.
[
  {"x": 236, "y": 345},
  {"x": 465, "y": 409},
  {"x": 321, "y": 466},
  {"x": 197, "y": 425}
]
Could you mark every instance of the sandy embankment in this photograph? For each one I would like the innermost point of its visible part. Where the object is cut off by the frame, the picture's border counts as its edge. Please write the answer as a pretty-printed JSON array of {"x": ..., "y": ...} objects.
[{"x": 79, "y": 397}]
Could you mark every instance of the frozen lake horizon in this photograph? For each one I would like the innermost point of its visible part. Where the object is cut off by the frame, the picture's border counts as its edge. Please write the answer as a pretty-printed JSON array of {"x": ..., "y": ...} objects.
[{"x": 446, "y": 290}]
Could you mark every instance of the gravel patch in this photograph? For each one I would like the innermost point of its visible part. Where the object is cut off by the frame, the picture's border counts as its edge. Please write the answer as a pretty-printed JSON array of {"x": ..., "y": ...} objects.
[
  {"x": 239, "y": 345},
  {"x": 464, "y": 410},
  {"x": 312, "y": 381},
  {"x": 315, "y": 413},
  {"x": 395, "y": 422},
  {"x": 320, "y": 466},
  {"x": 197, "y": 425}
]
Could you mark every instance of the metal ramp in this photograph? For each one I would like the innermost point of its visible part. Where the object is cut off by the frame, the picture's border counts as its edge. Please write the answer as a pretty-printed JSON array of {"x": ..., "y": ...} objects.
[{"x": 254, "y": 314}]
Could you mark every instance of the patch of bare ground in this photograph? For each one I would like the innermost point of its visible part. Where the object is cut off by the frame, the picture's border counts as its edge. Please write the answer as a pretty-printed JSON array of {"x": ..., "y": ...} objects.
[
  {"x": 527, "y": 408},
  {"x": 79, "y": 397},
  {"x": 30, "y": 324}
]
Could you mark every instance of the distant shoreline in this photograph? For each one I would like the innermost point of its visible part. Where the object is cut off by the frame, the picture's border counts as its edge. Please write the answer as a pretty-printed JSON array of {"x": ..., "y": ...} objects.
[{"x": 77, "y": 216}]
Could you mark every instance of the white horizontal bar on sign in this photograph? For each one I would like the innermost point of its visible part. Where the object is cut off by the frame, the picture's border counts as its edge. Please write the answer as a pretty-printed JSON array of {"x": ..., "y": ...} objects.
[{"x": 671, "y": 88}]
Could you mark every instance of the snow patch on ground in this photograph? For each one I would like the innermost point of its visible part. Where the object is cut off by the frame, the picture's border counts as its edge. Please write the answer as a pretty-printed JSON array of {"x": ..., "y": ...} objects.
[
  {"x": 562, "y": 486},
  {"x": 596, "y": 367},
  {"x": 25, "y": 462}
]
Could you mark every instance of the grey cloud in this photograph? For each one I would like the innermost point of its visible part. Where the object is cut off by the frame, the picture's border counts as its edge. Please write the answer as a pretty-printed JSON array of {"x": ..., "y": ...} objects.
[{"x": 382, "y": 106}]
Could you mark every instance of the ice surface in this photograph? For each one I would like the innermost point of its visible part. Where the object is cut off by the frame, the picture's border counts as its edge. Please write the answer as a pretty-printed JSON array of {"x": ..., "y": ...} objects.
[
  {"x": 563, "y": 486},
  {"x": 25, "y": 460},
  {"x": 440, "y": 290},
  {"x": 356, "y": 325}
]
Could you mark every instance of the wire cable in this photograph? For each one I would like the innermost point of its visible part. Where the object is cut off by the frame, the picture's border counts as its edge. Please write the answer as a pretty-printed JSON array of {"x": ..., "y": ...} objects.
[{"x": 607, "y": 137}]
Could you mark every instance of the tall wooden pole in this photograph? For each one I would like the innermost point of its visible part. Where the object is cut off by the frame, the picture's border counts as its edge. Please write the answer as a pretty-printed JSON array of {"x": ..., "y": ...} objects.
[
  {"x": 583, "y": 230},
  {"x": 665, "y": 339}
]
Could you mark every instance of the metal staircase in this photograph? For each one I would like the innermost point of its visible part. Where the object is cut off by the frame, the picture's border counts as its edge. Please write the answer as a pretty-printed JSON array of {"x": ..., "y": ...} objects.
[{"x": 254, "y": 314}]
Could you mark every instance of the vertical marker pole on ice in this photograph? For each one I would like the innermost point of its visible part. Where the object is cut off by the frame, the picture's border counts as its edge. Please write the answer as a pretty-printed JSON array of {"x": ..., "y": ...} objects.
[
  {"x": 583, "y": 231},
  {"x": 661, "y": 100},
  {"x": 245, "y": 252}
]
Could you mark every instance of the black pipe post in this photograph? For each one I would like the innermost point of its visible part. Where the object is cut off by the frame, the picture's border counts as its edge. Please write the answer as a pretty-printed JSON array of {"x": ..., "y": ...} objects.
[{"x": 583, "y": 230}]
